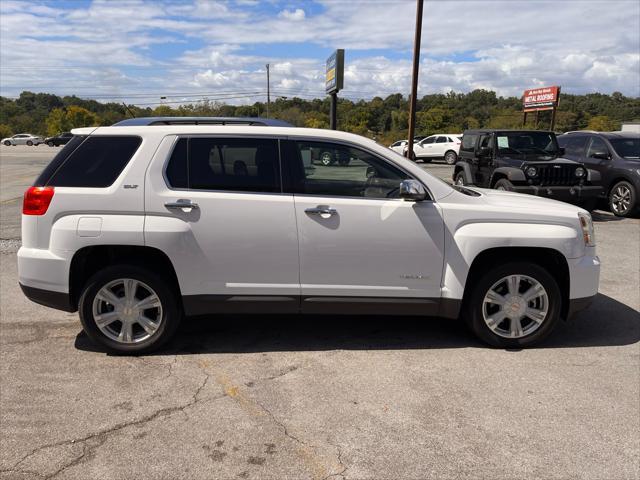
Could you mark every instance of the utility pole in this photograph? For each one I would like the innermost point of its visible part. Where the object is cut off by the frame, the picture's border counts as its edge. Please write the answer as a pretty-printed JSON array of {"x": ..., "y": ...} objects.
[
  {"x": 268, "y": 91},
  {"x": 414, "y": 80}
]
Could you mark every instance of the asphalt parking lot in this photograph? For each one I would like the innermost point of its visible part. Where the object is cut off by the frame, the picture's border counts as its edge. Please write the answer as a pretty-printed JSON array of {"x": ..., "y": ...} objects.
[{"x": 320, "y": 397}]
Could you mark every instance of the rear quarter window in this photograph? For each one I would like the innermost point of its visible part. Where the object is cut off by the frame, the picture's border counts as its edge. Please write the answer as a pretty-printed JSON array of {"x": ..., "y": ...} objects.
[{"x": 90, "y": 162}]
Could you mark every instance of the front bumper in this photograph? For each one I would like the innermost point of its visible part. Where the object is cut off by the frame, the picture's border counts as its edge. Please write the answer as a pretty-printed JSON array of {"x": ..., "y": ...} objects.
[{"x": 572, "y": 194}]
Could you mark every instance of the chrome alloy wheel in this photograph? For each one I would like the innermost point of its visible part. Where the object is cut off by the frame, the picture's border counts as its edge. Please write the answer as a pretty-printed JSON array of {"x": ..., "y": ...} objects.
[
  {"x": 621, "y": 199},
  {"x": 515, "y": 306},
  {"x": 127, "y": 310}
]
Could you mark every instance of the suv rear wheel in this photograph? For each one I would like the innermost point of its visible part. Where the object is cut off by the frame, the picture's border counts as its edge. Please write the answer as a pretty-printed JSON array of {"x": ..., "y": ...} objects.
[
  {"x": 450, "y": 158},
  {"x": 515, "y": 305},
  {"x": 129, "y": 309},
  {"x": 460, "y": 178},
  {"x": 622, "y": 199}
]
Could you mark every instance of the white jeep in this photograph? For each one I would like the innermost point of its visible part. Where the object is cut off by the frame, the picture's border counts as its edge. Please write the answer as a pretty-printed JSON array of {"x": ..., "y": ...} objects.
[{"x": 137, "y": 225}]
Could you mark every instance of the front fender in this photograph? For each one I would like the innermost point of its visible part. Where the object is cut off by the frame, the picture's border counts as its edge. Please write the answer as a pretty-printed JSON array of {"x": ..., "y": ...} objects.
[
  {"x": 466, "y": 170},
  {"x": 512, "y": 174},
  {"x": 472, "y": 239}
]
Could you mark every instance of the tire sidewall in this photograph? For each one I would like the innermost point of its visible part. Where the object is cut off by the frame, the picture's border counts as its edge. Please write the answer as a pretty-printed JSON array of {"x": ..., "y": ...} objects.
[
  {"x": 451, "y": 155},
  {"x": 171, "y": 312},
  {"x": 30, "y": 143},
  {"x": 508, "y": 186},
  {"x": 633, "y": 199},
  {"x": 460, "y": 175},
  {"x": 475, "y": 319}
]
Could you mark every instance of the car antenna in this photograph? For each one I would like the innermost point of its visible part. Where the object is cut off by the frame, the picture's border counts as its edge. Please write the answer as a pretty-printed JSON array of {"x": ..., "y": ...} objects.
[{"x": 128, "y": 110}]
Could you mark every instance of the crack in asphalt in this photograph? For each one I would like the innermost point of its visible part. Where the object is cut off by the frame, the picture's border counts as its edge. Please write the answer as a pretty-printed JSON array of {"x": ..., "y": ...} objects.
[
  {"x": 95, "y": 440},
  {"x": 342, "y": 472}
]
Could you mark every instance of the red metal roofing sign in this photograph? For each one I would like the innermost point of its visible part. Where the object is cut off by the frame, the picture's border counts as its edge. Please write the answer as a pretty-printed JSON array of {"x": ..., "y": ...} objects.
[{"x": 540, "y": 98}]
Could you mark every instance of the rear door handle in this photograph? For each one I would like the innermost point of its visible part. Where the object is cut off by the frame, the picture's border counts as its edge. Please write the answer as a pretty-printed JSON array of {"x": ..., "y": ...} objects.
[
  {"x": 182, "y": 203},
  {"x": 321, "y": 210}
]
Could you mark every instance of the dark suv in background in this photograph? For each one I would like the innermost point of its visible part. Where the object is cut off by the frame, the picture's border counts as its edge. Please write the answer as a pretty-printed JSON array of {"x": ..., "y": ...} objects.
[
  {"x": 616, "y": 156},
  {"x": 524, "y": 161}
]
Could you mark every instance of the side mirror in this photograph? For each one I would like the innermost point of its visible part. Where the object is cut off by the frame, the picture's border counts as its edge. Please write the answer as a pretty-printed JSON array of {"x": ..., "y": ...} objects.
[
  {"x": 485, "y": 151},
  {"x": 412, "y": 190},
  {"x": 601, "y": 155}
]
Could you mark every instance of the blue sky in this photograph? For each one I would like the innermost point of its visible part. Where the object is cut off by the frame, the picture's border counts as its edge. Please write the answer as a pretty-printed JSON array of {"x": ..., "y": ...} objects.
[{"x": 139, "y": 50}]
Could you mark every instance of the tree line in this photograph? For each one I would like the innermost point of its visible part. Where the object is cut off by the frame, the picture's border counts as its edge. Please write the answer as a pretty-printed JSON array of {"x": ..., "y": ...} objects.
[{"x": 385, "y": 119}]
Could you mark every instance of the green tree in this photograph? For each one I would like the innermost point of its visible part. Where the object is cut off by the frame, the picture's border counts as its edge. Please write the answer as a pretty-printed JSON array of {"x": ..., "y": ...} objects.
[
  {"x": 81, "y": 117},
  {"x": 5, "y": 131},
  {"x": 602, "y": 123},
  {"x": 57, "y": 122}
]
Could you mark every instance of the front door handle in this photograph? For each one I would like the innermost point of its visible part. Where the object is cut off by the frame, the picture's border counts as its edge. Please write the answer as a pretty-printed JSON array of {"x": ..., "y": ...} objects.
[
  {"x": 183, "y": 203},
  {"x": 321, "y": 210}
]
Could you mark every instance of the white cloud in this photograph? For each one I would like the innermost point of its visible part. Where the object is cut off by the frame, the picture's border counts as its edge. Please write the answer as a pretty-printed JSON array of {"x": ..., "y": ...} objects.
[
  {"x": 294, "y": 15},
  {"x": 111, "y": 47}
]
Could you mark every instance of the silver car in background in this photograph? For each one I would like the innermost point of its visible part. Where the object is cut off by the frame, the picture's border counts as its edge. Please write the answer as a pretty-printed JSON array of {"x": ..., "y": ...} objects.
[{"x": 23, "y": 139}]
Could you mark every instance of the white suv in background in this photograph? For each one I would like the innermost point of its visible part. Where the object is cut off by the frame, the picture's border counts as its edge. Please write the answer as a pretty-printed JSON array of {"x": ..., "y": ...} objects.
[
  {"x": 444, "y": 145},
  {"x": 137, "y": 225}
]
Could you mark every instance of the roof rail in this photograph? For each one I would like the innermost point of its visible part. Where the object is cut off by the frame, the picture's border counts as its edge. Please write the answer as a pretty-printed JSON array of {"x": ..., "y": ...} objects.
[
  {"x": 581, "y": 131},
  {"x": 146, "y": 121}
]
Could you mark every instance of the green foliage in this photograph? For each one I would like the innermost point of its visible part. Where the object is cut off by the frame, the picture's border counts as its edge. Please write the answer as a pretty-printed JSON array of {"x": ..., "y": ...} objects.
[
  {"x": 387, "y": 119},
  {"x": 5, "y": 131},
  {"x": 602, "y": 123}
]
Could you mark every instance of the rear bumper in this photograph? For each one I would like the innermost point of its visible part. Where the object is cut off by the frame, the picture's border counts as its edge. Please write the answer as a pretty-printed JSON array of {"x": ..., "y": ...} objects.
[
  {"x": 574, "y": 194},
  {"x": 48, "y": 298}
]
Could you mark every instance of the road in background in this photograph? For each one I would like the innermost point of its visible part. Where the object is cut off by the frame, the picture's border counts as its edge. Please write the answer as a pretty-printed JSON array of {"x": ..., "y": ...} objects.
[{"x": 309, "y": 397}]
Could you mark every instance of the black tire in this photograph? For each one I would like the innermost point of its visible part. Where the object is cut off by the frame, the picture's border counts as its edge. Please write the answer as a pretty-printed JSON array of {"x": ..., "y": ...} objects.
[
  {"x": 474, "y": 305},
  {"x": 29, "y": 143},
  {"x": 450, "y": 157},
  {"x": 171, "y": 310},
  {"x": 504, "y": 184},
  {"x": 51, "y": 144},
  {"x": 623, "y": 199},
  {"x": 7, "y": 143},
  {"x": 460, "y": 180}
]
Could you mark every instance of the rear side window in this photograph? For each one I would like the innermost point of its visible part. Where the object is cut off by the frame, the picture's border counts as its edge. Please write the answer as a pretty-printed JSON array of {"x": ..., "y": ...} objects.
[
  {"x": 468, "y": 142},
  {"x": 227, "y": 164},
  {"x": 90, "y": 162},
  {"x": 442, "y": 140}
]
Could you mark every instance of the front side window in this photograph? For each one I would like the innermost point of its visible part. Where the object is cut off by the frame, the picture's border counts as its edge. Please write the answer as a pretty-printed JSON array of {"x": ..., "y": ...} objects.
[
  {"x": 429, "y": 140},
  {"x": 340, "y": 170},
  {"x": 229, "y": 164}
]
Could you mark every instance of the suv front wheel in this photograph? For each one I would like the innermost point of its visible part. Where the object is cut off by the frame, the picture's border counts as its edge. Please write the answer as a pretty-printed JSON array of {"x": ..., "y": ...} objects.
[
  {"x": 514, "y": 305},
  {"x": 129, "y": 309}
]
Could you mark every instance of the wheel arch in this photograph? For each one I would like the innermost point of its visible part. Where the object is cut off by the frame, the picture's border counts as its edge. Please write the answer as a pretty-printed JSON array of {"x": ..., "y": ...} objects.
[
  {"x": 550, "y": 259},
  {"x": 88, "y": 260},
  {"x": 465, "y": 168}
]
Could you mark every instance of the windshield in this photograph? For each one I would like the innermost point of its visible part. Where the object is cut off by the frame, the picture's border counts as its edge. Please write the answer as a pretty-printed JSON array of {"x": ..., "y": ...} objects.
[
  {"x": 626, "y": 147},
  {"x": 524, "y": 143}
]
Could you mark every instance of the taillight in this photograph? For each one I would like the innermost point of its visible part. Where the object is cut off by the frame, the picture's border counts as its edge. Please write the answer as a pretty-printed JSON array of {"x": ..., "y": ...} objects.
[{"x": 37, "y": 200}]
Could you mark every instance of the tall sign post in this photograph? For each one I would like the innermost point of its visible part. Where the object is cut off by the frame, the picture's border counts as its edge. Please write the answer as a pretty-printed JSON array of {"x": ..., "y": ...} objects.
[
  {"x": 334, "y": 82},
  {"x": 414, "y": 79},
  {"x": 539, "y": 99}
]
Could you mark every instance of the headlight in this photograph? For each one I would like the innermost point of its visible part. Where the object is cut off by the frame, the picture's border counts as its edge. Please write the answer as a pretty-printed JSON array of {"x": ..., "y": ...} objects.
[
  {"x": 580, "y": 172},
  {"x": 588, "y": 234},
  {"x": 531, "y": 171}
]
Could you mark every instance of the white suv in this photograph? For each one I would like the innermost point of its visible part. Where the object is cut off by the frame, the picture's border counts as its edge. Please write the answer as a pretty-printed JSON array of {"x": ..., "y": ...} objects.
[
  {"x": 136, "y": 226},
  {"x": 446, "y": 145}
]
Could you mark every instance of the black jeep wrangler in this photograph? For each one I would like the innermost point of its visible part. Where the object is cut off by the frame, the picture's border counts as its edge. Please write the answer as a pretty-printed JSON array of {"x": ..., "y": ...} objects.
[{"x": 525, "y": 161}]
